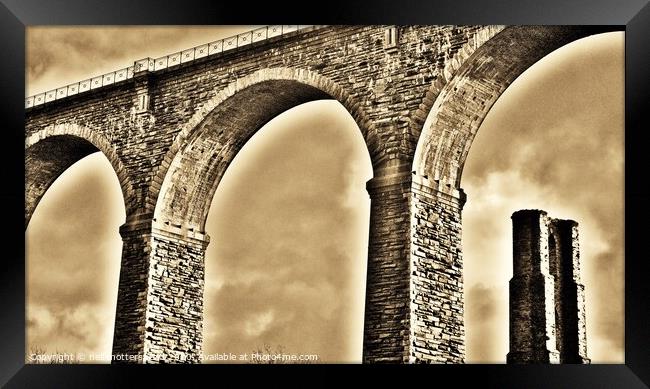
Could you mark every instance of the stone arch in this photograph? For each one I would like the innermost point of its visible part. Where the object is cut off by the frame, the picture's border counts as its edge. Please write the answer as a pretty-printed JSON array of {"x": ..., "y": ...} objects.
[
  {"x": 52, "y": 150},
  {"x": 183, "y": 187},
  {"x": 484, "y": 34},
  {"x": 463, "y": 103}
]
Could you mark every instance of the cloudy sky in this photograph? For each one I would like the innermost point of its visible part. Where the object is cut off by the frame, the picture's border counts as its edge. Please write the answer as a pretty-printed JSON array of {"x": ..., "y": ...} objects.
[
  {"x": 287, "y": 266},
  {"x": 553, "y": 141}
]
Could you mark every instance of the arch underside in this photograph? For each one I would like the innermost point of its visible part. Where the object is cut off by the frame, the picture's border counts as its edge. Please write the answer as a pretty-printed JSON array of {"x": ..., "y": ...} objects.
[
  {"x": 45, "y": 161},
  {"x": 464, "y": 102},
  {"x": 194, "y": 174}
]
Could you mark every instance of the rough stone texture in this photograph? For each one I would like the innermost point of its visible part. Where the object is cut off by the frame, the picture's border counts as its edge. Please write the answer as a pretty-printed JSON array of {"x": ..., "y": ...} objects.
[
  {"x": 547, "y": 312},
  {"x": 564, "y": 249},
  {"x": 383, "y": 89},
  {"x": 45, "y": 161},
  {"x": 160, "y": 303},
  {"x": 174, "y": 320},
  {"x": 414, "y": 297},
  {"x": 532, "y": 292},
  {"x": 50, "y": 151},
  {"x": 464, "y": 101},
  {"x": 437, "y": 321},
  {"x": 387, "y": 336},
  {"x": 130, "y": 317},
  {"x": 418, "y": 104}
]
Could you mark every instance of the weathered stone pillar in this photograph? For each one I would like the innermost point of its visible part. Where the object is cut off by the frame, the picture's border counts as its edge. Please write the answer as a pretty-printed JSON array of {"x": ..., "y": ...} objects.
[
  {"x": 414, "y": 301},
  {"x": 437, "y": 302},
  {"x": 532, "y": 300},
  {"x": 564, "y": 250},
  {"x": 160, "y": 297},
  {"x": 386, "y": 335},
  {"x": 129, "y": 334}
]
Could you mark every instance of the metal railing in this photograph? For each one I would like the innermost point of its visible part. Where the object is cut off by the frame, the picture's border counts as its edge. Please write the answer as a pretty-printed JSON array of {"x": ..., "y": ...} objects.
[{"x": 168, "y": 61}]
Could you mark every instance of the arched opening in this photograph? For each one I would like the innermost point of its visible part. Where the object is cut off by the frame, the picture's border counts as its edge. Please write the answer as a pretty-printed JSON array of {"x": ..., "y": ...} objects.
[
  {"x": 52, "y": 150},
  {"x": 48, "y": 159},
  {"x": 463, "y": 103},
  {"x": 195, "y": 173},
  {"x": 310, "y": 129},
  {"x": 448, "y": 133},
  {"x": 185, "y": 183},
  {"x": 554, "y": 141},
  {"x": 286, "y": 264},
  {"x": 72, "y": 250}
]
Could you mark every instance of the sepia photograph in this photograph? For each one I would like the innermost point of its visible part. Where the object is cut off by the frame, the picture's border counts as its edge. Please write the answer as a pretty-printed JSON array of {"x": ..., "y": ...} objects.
[{"x": 325, "y": 194}]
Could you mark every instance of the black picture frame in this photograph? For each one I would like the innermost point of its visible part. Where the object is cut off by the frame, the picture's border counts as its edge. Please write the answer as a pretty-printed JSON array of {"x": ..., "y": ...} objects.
[{"x": 632, "y": 15}]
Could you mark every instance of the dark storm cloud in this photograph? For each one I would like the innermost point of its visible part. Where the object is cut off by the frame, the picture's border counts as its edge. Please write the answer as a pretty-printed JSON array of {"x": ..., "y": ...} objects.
[{"x": 564, "y": 154}]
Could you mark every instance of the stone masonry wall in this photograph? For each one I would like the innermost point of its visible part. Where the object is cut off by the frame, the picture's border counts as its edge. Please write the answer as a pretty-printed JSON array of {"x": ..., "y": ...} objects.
[
  {"x": 437, "y": 302},
  {"x": 463, "y": 102},
  {"x": 547, "y": 312},
  {"x": 388, "y": 86},
  {"x": 159, "y": 314},
  {"x": 174, "y": 318},
  {"x": 45, "y": 161},
  {"x": 532, "y": 293},
  {"x": 129, "y": 334},
  {"x": 386, "y": 335},
  {"x": 570, "y": 311},
  {"x": 387, "y": 90},
  {"x": 414, "y": 299},
  {"x": 414, "y": 308}
]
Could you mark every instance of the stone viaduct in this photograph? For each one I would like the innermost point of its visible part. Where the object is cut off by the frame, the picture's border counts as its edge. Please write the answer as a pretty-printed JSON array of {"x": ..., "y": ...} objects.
[{"x": 418, "y": 95}]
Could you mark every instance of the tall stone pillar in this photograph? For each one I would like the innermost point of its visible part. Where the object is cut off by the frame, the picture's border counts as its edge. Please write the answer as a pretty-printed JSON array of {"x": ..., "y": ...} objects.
[
  {"x": 414, "y": 301},
  {"x": 437, "y": 302},
  {"x": 160, "y": 298},
  {"x": 569, "y": 292},
  {"x": 386, "y": 336},
  {"x": 532, "y": 293}
]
